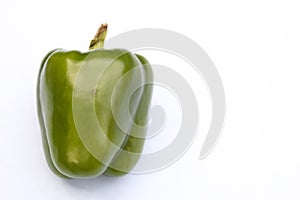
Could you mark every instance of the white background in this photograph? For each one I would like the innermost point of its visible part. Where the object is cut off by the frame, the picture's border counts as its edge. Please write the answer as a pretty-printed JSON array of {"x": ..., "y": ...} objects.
[{"x": 255, "y": 46}]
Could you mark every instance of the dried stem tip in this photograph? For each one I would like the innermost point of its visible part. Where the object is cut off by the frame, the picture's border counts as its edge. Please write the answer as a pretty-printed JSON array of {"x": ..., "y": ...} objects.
[{"x": 98, "y": 41}]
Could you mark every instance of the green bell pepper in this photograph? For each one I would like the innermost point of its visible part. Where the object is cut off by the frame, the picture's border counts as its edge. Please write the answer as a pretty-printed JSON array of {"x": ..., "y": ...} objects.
[{"x": 74, "y": 148}]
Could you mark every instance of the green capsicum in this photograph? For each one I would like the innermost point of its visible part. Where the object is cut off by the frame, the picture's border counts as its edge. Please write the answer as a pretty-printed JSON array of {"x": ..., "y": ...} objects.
[{"x": 70, "y": 85}]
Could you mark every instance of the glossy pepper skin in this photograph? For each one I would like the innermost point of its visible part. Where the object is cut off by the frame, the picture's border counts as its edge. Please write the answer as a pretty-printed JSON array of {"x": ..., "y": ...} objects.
[{"x": 66, "y": 153}]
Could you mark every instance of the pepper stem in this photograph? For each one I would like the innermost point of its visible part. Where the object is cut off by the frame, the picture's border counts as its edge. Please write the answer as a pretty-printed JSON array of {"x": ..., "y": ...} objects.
[{"x": 98, "y": 41}]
